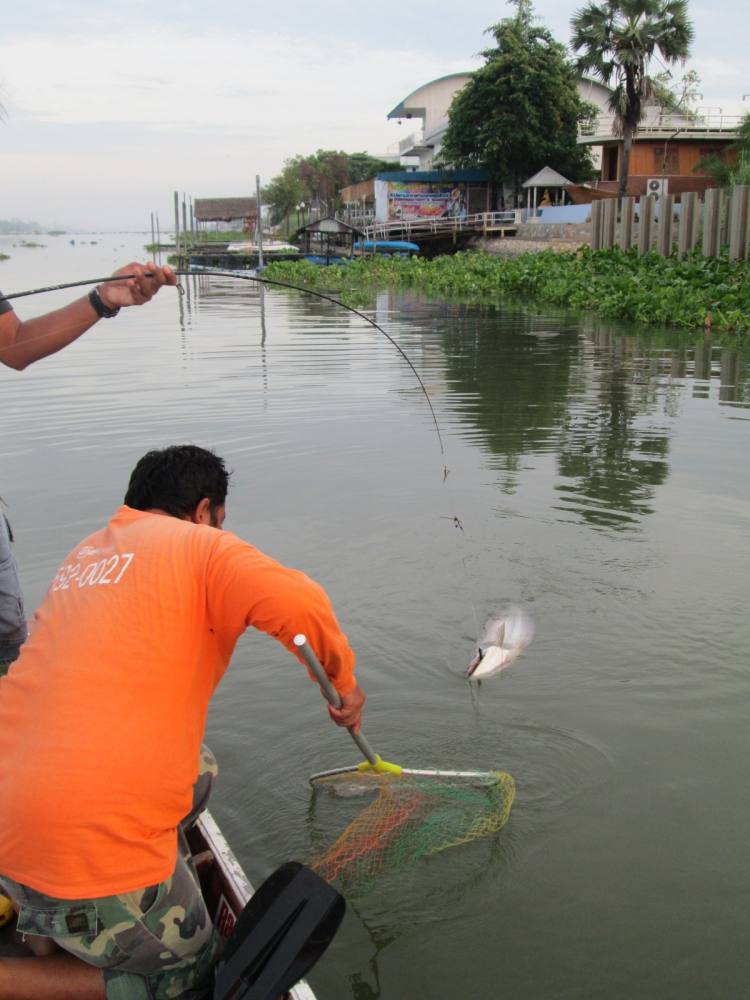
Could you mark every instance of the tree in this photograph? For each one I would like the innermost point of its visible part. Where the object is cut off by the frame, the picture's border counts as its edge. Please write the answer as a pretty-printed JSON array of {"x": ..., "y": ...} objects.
[
  {"x": 521, "y": 110},
  {"x": 724, "y": 171},
  {"x": 677, "y": 97},
  {"x": 617, "y": 39},
  {"x": 318, "y": 177}
]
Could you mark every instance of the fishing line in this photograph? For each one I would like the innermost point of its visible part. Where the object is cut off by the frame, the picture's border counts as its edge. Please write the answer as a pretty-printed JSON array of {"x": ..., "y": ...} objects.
[
  {"x": 307, "y": 291},
  {"x": 259, "y": 281}
]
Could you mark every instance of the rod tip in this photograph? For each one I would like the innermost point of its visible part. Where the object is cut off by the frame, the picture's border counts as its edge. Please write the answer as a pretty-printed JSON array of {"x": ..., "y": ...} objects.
[{"x": 299, "y": 640}]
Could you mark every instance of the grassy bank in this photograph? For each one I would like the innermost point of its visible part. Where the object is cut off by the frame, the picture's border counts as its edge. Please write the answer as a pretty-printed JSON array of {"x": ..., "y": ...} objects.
[{"x": 696, "y": 292}]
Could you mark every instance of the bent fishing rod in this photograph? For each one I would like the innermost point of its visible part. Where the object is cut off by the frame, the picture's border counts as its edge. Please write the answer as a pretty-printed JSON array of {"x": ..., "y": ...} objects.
[{"x": 260, "y": 281}]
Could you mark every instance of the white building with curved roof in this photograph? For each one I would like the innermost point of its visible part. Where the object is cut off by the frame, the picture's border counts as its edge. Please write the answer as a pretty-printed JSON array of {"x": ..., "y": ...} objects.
[{"x": 429, "y": 104}]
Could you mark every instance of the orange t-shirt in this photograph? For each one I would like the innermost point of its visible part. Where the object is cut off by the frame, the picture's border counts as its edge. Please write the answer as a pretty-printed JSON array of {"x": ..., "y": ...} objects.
[{"x": 102, "y": 715}]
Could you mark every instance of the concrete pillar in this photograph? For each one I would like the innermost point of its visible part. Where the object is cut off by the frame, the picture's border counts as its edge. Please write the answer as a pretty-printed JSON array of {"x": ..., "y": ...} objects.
[
  {"x": 665, "y": 225},
  {"x": 738, "y": 222},
  {"x": 688, "y": 212},
  {"x": 626, "y": 223},
  {"x": 646, "y": 223},
  {"x": 711, "y": 222},
  {"x": 608, "y": 223},
  {"x": 596, "y": 235}
]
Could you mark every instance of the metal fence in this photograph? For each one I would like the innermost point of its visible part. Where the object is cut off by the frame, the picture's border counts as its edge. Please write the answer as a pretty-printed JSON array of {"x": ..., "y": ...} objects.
[
  {"x": 480, "y": 223},
  {"x": 658, "y": 223}
]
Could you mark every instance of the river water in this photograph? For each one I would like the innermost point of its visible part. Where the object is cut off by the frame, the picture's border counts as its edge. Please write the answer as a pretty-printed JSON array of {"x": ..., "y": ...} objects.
[{"x": 597, "y": 475}]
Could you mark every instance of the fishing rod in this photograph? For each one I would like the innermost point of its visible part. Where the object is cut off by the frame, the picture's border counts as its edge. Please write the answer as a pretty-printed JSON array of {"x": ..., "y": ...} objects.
[{"x": 260, "y": 281}]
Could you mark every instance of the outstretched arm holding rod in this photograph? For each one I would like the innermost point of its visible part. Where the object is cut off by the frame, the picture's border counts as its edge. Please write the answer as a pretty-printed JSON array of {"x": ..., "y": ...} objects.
[{"x": 24, "y": 342}]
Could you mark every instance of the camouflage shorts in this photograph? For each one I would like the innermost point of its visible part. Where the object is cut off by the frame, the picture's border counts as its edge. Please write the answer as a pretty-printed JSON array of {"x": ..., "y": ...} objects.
[{"x": 156, "y": 943}]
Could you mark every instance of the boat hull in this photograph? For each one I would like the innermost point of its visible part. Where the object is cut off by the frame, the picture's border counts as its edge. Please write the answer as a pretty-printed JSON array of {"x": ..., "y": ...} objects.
[{"x": 225, "y": 886}]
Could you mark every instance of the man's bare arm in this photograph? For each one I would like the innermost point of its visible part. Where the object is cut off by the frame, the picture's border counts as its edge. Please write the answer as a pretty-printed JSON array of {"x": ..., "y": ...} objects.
[{"x": 23, "y": 343}]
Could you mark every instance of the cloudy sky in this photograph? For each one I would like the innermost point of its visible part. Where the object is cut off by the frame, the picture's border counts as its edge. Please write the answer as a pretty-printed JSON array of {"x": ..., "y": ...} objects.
[{"x": 108, "y": 112}]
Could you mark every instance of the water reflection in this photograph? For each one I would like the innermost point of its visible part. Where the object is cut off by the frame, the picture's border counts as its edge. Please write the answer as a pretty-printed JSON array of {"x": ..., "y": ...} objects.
[
  {"x": 611, "y": 461},
  {"x": 602, "y": 398}
]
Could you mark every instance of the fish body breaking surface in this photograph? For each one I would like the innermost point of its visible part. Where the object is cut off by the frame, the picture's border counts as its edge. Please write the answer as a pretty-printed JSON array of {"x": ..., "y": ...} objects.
[{"x": 505, "y": 637}]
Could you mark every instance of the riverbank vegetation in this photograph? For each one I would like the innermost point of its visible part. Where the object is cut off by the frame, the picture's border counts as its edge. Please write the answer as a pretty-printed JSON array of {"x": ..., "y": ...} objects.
[{"x": 696, "y": 292}]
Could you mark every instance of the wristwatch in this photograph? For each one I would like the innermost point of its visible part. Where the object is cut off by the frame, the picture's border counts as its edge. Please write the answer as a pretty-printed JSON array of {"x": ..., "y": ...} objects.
[{"x": 102, "y": 311}]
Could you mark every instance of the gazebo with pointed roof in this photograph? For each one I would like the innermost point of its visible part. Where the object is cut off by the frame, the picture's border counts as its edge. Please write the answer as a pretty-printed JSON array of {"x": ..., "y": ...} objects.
[{"x": 545, "y": 178}]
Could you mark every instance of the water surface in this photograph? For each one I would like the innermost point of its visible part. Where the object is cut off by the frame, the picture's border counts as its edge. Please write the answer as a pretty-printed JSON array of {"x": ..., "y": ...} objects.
[{"x": 596, "y": 474}]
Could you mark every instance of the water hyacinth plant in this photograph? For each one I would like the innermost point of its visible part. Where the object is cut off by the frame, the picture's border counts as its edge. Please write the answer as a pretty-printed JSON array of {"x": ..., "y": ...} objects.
[{"x": 695, "y": 292}]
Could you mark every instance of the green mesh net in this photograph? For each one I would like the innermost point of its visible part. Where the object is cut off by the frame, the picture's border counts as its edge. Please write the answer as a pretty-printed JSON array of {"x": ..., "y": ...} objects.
[{"x": 410, "y": 817}]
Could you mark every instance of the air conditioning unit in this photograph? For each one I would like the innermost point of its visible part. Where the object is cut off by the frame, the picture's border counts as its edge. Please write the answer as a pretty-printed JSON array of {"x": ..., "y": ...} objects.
[{"x": 657, "y": 186}]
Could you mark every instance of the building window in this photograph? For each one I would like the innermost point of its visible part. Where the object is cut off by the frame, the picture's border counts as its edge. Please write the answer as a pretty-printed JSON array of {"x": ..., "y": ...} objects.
[
  {"x": 609, "y": 164},
  {"x": 711, "y": 153},
  {"x": 666, "y": 160}
]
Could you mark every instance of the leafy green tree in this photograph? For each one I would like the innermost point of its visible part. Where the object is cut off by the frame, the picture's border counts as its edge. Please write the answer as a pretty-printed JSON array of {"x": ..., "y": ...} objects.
[
  {"x": 521, "y": 110},
  {"x": 617, "y": 40},
  {"x": 285, "y": 191},
  {"x": 319, "y": 177},
  {"x": 677, "y": 97},
  {"x": 724, "y": 171}
]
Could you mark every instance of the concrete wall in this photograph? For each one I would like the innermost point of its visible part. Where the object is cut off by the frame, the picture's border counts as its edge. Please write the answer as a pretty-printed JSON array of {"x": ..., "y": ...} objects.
[{"x": 568, "y": 231}]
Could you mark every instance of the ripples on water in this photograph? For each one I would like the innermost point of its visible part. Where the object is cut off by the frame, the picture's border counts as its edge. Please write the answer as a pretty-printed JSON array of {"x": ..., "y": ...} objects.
[{"x": 598, "y": 475}]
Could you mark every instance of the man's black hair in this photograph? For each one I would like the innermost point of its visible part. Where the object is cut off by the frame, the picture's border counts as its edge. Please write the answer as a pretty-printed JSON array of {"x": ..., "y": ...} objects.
[{"x": 176, "y": 479}]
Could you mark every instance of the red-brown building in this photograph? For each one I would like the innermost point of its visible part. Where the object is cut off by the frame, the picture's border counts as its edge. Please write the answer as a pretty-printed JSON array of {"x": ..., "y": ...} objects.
[{"x": 665, "y": 153}]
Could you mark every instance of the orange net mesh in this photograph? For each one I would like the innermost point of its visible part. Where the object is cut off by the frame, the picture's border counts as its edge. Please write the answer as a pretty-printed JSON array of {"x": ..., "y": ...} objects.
[{"x": 411, "y": 817}]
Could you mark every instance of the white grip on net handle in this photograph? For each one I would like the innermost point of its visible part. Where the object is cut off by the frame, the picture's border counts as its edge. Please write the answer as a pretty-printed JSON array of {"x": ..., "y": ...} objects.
[{"x": 331, "y": 694}]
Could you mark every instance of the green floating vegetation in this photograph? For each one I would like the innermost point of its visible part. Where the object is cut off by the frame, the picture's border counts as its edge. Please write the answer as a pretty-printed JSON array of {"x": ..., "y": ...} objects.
[
  {"x": 696, "y": 292},
  {"x": 4, "y": 256}
]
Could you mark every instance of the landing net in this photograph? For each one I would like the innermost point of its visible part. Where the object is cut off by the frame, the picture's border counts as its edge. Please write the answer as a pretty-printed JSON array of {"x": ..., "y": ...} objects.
[{"x": 412, "y": 816}]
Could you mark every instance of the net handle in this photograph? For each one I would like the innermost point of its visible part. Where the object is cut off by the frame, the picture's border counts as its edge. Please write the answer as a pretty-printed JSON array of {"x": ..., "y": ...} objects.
[{"x": 331, "y": 694}]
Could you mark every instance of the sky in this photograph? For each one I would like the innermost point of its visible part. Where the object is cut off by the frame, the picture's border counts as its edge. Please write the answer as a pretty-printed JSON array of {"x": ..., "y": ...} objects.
[{"x": 110, "y": 111}]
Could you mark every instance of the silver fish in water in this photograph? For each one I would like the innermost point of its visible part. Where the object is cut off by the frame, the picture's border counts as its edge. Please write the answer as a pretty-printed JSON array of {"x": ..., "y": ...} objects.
[{"x": 505, "y": 637}]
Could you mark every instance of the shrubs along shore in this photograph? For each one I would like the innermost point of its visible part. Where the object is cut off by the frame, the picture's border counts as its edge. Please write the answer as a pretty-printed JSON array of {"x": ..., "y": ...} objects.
[{"x": 696, "y": 292}]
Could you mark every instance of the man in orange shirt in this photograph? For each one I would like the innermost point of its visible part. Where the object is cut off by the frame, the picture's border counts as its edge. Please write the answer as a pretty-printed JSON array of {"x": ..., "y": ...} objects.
[{"x": 101, "y": 722}]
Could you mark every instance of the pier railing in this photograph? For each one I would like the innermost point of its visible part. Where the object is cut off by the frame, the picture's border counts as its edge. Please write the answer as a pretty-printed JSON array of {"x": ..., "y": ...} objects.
[
  {"x": 416, "y": 229},
  {"x": 701, "y": 125},
  {"x": 659, "y": 223}
]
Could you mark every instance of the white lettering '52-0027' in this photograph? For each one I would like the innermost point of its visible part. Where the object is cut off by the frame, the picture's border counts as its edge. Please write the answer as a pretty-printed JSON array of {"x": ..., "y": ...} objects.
[{"x": 93, "y": 574}]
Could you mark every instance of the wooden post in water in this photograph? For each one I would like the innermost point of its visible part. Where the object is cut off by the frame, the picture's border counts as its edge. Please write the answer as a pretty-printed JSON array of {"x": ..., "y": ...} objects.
[
  {"x": 738, "y": 222},
  {"x": 666, "y": 211},
  {"x": 608, "y": 223},
  {"x": 184, "y": 220},
  {"x": 158, "y": 239},
  {"x": 153, "y": 236},
  {"x": 177, "y": 221},
  {"x": 711, "y": 222},
  {"x": 626, "y": 223},
  {"x": 259, "y": 222},
  {"x": 646, "y": 223}
]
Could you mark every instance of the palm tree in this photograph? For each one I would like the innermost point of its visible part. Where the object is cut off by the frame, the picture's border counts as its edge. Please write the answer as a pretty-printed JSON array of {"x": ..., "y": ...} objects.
[{"x": 617, "y": 39}]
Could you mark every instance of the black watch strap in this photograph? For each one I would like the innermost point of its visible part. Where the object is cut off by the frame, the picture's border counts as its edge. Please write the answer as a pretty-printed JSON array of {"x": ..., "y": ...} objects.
[{"x": 102, "y": 311}]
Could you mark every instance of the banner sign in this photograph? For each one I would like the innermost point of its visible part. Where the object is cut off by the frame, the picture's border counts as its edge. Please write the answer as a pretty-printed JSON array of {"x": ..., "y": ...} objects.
[{"x": 425, "y": 200}]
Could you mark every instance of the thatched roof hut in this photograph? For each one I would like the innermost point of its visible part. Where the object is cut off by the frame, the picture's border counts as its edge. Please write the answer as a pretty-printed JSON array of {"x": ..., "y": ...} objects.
[{"x": 224, "y": 209}]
